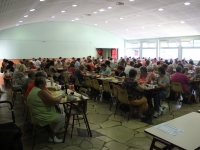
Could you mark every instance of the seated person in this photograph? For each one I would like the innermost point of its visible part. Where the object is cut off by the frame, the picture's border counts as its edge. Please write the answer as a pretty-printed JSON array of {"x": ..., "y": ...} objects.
[
  {"x": 170, "y": 69},
  {"x": 79, "y": 74},
  {"x": 53, "y": 70},
  {"x": 119, "y": 73},
  {"x": 18, "y": 80},
  {"x": 164, "y": 82},
  {"x": 91, "y": 64},
  {"x": 31, "y": 78},
  {"x": 10, "y": 66},
  {"x": 104, "y": 70},
  {"x": 184, "y": 80},
  {"x": 41, "y": 104},
  {"x": 32, "y": 66},
  {"x": 135, "y": 92},
  {"x": 144, "y": 76},
  {"x": 197, "y": 86}
]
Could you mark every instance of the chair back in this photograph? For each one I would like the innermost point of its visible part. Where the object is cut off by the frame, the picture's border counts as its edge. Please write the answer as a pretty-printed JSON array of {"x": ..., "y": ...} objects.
[
  {"x": 66, "y": 78},
  {"x": 95, "y": 84},
  {"x": 30, "y": 116},
  {"x": 177, "y": 87},
  {"x": 88, "y": 82},
  {"x": 168, "y": 91},
  {"x": 106, "y": 86},
  {"x": 122, "y": 96},
  {"x": 49, "y": 74},
  {"x": 77, "y": 81},
  {"x": 115, "y": 90}
]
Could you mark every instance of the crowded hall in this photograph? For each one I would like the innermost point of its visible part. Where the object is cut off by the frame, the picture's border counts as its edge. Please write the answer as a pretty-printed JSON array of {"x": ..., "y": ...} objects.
[{"x": 99, "y": 75}]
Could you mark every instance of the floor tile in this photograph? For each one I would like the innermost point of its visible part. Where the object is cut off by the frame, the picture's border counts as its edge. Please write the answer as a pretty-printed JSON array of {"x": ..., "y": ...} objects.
[
  {"x": 112, "y": 145},
  {"x": 105, "y": 138},
  {"x": 109, "y": 123}
]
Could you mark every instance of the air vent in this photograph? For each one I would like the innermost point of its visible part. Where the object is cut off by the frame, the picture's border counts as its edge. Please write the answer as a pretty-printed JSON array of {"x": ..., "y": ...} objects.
[
  {"x": 88, "y": 14},
  {"x": 119, "y": 3}
]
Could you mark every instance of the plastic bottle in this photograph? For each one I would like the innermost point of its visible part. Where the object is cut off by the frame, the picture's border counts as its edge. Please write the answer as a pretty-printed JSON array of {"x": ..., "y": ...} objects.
[{"x": 151, "y": 84}]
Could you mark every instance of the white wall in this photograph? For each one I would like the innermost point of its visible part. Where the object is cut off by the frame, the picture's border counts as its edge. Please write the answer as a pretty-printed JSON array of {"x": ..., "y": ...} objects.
[{"x": 55, "y": 39}]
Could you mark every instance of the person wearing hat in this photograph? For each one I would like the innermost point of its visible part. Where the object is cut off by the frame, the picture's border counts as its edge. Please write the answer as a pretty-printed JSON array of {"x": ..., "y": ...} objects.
[{"x": 31, "y": 78}]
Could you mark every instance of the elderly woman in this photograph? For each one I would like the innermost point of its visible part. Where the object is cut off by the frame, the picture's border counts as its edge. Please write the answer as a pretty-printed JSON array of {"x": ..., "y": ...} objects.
[
  {"x": 42, "y": 104},
  {"x": 144, "y": 76},
  {"x": 170, "y": 69},
  {"x": 163, "y": 82},
  {"x": 18, "y": 79},
  {"x": 135, "y": 92}
]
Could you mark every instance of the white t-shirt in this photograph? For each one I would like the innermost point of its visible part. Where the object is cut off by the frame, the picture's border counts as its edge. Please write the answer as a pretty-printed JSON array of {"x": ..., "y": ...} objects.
[{"x": 127, "y": 69}]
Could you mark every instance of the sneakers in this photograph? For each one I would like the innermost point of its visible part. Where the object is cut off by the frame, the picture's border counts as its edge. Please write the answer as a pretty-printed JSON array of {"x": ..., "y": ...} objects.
[
  {"x": 158, "y": 113},
  {"x": 56, "y": 140}
]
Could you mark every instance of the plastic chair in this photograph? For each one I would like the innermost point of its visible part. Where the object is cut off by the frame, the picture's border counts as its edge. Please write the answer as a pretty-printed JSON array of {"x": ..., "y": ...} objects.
[
  {"x": 177, "y": 87},
  {"x": 115, "y": 93},
  {"x": 166, "y": 98},
  {"x": 97, "y": 88},
  {"x": 66, "y": 78},
  {"x": 106, "y": 88}
]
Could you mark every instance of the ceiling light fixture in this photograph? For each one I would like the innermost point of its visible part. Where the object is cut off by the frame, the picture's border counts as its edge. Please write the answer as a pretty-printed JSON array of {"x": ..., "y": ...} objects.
[
  {"x": 95, "y": 12},
  {"x": 160, "y": 9},
  {"x": 32, "y": 9},
  {"x": 42, "y": 0},
  {"x": 158, "y": 25},
  {"x": 106, "y": 21},
  {"x": 76, "y": 19},
  {"x": 131, "y": 0},
  {"x": 182, "y": 22},
  {"x": 95, "y": 24},
  {"x": 127, "y": 30},
  {"x": 26, "y": 16},
  {"x": 74, "y": 5},
  {"x": 20, "y": 21},
  {"x": 62, "y": 11},
  {"x": 109, "y": 7},
  {"x": 16, "y": 24},
  {"x": 142, "y": 27},
  {"x": 72, "y": 20},
  {"x": 186, "y": 3},
  {"x": 101, "y": 10},
  {"x": 53, "y": 17},
  {"x": 121, "y": 18}
]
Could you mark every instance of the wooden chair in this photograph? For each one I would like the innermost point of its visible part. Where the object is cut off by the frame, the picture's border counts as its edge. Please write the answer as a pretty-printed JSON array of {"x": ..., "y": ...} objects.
[
  {"x": 177, "y": 87},
  {"x": 166, "y": 98},
  {"x": 77, "y": 84},
  {"x": 97, "y": 88},
  {"x": 49, "y": 74},
  {"x": 106, "y": 88},
  {"x": 115, "y": 93},
  {"x": 33, "y": 124},
  {"x": 122, "y": 97},
  {"x": 66, "y": 78}
]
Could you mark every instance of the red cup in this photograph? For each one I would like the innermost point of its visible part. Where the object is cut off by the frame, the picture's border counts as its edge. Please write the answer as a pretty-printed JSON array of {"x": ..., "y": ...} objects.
[{"x": 71, "y": 86}]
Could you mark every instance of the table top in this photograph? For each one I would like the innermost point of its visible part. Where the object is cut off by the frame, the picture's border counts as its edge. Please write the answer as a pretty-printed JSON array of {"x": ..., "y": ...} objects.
[
  {"x": 188, "y": 139},
  {"x": 152, "y": 87},
  {"x": 66, "y": 99}
]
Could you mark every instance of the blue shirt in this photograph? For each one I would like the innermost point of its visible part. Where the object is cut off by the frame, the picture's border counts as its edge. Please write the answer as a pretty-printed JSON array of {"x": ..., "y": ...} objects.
[{"x": 106, "y": 71}]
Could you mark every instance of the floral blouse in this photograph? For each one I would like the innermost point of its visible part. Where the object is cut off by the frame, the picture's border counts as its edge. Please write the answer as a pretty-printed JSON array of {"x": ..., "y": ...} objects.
[{"x": 130, "y": 86}]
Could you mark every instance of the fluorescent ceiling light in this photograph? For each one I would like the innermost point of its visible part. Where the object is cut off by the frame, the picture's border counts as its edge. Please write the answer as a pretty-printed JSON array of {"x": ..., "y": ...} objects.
[
  {"x": 95, "y": 24},
  {"x": 127, "y": 30},
  {"x": 182, "y": 22},
  {"x": 26, "y": 16},
  {"x": 160, "y": 9},
  {"x": 76, "y": 19},
  {"x": 62, "y": 11},
  {"x": 53, "y": 17},
  {"x": 158, "y": 25},
  {"x": 106, "y": 21},
  {"x": 72, "y": 20},
  {"x": 121, "y": 18},
  {"x": 20, "y": 21},
  {"x": 42, "y": 0},
  {"x": 186, "y": 3},
  {"x": 32, "y": 9},
  {"x": 95, "y": 12},
  {"x": 142, "y": 27},
  {"x": 74, "y": 5},
  {"x": 131, "y": 0},
  {"x": 101, "y": 10},
  {"x": 109, "y": 7}
]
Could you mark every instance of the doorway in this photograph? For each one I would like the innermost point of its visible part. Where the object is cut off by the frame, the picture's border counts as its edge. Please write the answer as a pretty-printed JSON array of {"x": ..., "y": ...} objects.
[{"x": 107, "y": 52}]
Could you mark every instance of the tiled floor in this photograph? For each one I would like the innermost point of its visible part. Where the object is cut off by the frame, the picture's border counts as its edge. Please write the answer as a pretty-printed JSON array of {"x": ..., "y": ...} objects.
[{"x": 109, "y": 132}]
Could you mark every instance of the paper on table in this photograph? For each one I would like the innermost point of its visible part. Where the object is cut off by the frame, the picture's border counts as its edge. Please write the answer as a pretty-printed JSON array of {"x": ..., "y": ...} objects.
[{"x": 169, "y": 129}]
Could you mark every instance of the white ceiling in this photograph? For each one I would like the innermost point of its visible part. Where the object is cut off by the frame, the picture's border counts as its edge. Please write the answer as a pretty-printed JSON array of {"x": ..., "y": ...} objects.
[{"x": 135, "y": 14}]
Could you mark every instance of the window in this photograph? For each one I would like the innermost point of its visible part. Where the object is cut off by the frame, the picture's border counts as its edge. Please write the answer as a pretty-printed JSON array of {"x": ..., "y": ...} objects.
[
  {"x": 196, "y": 43},
  {"x": 169, "y": 53},
  {"x": 133, "y": 45},
  {"x": 132, "y": 53},
  {"x": 187, "y": 44},
  {"x": 191, "y": 54},
  {"x": 163, "y": 44},
  {"x": 148, "y": 45},
  {"x": 173, "y": 44},
  {"x": 149, "y": 53}
]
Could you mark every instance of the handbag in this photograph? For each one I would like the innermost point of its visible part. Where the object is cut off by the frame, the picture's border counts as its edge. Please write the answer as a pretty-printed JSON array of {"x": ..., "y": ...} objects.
[{"x": 1, "y": 69}]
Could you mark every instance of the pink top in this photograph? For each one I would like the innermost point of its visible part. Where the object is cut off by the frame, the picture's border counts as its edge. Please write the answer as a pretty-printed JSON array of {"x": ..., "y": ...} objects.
[{"x": 179, "y": 77}]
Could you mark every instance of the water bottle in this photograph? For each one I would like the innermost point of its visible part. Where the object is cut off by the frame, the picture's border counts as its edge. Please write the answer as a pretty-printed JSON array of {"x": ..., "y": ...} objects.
[{"x": 151, "y": 84}]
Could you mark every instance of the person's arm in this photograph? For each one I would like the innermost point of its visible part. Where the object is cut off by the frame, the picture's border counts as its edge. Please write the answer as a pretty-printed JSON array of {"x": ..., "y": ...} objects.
[
  {"x": 140, "y": 87},
  {"x": 164, "y": 84},
  {"x": 48, "y": 99},
  {"x": 148, "y": 78}
]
